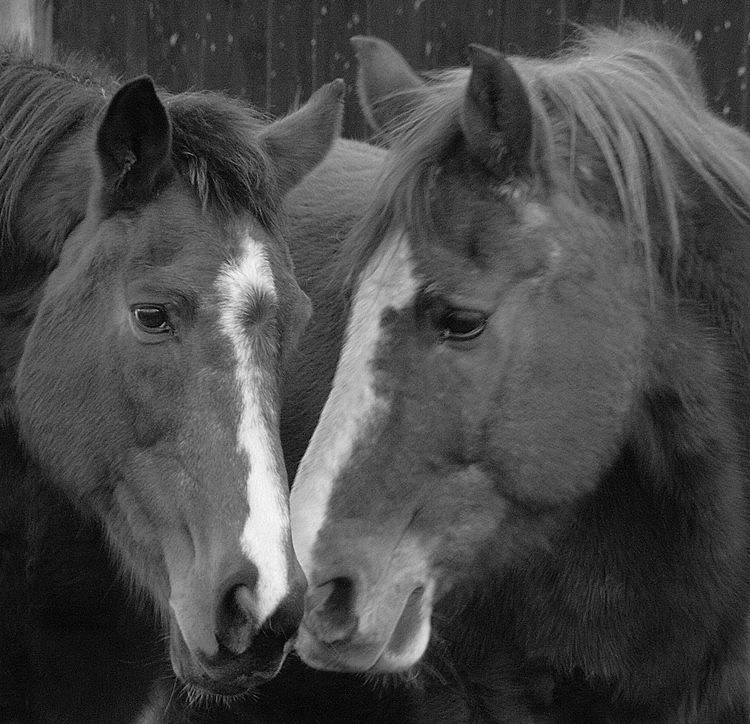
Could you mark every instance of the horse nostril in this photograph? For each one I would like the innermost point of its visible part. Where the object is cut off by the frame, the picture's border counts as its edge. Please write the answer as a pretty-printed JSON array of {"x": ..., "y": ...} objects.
[
  {"x": 243, "y": 600},
  {"x": 236, "y": 623},
  {"x": 330, "y": 610}
]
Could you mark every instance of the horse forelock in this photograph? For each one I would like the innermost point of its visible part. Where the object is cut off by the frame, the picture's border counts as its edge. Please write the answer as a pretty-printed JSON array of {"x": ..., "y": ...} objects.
[
  {"x": 620, "y": 113},
  {"x": 213, "y": 148}
]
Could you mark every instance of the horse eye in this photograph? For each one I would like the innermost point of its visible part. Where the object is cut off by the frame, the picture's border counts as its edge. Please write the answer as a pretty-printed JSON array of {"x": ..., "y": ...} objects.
[
  {"x": 455, "y": 324},
  {"x": 460, "y": 325},
  {"x": 151, "y": 318}
]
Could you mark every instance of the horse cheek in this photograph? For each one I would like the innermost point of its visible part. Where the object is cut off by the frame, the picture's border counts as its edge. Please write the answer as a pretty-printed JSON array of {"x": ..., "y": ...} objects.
[{"x": 152, "y": 393}]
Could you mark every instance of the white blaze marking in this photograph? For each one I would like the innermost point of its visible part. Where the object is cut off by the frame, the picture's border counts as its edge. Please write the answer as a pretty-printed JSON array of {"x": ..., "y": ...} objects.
[
  {"x": 266, "y": 528},
  {"x": 387, "y": 282},
  {"x": 535, "y": 216}
]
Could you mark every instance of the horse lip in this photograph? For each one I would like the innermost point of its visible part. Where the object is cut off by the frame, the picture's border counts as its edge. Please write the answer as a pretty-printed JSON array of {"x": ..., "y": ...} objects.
[
  {"x": 329, "y": 658},
  {"x": 383, "y": 655},
  {"x": 241, "y": 683},
  {"x": 230, "y": 678},
  {"x": 351, "y": 657}
]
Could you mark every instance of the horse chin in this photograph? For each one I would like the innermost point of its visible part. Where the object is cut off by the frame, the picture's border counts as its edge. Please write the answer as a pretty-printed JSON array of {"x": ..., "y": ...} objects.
[
  {"x": 224, "y": 676},
  {"x": 360, "y": 653}
]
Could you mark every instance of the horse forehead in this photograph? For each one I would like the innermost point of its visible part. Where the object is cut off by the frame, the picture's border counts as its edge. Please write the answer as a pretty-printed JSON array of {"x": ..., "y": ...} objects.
[
  {"x": 496, "y": 240},
  {"x": 389, "y": 281},
  {"x": 249, "y": 270},
  {"x": 247, "y": 295}
]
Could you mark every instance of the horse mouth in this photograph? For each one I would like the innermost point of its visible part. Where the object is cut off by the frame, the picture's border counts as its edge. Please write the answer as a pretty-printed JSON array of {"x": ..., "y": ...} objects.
[
  {"x": 360, "y": 653},
  {"x": 406, "y": 626},
  {"x": 226, "y": 675},
  {"x": 227, "y": 683}
]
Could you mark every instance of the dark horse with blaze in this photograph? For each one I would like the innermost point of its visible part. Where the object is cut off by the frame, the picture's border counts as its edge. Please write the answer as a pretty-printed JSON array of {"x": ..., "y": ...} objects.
[
  {"x": 528, "y": 487},
  {"x": 147, "y": 309}
]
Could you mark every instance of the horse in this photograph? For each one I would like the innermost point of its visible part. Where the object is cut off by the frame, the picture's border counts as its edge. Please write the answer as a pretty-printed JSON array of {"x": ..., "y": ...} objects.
[
  {"x": 147, "y": 310},
  {"x": 527, "y": 488}
]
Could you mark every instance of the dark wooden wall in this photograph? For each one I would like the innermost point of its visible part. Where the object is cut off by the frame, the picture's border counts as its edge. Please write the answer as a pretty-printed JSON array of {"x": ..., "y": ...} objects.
[{"x": 275, "y": 52}]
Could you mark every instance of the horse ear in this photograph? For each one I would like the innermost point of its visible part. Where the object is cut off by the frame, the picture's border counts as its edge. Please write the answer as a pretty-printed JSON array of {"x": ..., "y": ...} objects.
[
  {"x": 299, "y": 142},
  {"x": 133, "y": 144},
  {"x": 385, "y": 81},
  {"x": 496, "y": 118}
]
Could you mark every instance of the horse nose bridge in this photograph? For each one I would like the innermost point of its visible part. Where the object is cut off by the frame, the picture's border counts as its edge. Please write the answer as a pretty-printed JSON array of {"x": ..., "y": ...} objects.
[{"x": 239, "y": 498}]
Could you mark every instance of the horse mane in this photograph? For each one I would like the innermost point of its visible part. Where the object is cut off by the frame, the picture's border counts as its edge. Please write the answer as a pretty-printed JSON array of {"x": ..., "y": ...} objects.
[
  {"x": 617, "y": 110},
  {"x": 213, "y": 145}
]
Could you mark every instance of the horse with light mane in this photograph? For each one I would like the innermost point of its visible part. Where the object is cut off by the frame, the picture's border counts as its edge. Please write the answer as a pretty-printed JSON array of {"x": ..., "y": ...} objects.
[{"x": 528, "y": 487}]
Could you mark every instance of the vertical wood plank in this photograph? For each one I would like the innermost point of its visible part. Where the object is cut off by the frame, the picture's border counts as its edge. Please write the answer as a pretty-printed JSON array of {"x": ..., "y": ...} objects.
[
  {"x": 486, "y": 23},
  {"x": 519, "y": 21},
  {"x": 30, "y": 21},
  {"x": 17, "y": 20},
  {"x": 716, "y": 31},
  {"x": 338, "y": 21},
  {"x": 220, "y": 46},
  {"x": 289, "y": 55},
  {"x": 742, "y": 71},
  {"x": 445, "y": 30},
  {"x": 42, "y": 42},
  {"x": 269, "y": 29},
  {"x": 111, "y": 31},
  {"x": 396, "y": 21}
]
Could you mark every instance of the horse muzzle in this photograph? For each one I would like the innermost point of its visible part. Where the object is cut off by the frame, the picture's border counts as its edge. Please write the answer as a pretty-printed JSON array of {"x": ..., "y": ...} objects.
[
  {"x": 226, "y": 673},
  {"x": 225, "y": 649},
  {"x": 360, "y": 616}
]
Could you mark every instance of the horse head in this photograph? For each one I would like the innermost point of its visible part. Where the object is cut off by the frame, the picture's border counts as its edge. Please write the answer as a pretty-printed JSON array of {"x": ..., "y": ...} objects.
[
  {"x": 148, "y": 389},
  {"x": 535, "y": 379}
]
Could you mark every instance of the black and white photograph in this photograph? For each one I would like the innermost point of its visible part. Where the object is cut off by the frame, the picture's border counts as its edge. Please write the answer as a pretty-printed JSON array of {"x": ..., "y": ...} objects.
[{"x": 374, "y": 362}]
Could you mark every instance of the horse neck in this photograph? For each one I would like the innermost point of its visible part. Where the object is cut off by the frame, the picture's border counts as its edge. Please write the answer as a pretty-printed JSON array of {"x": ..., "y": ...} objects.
[
  {"x": 515, "y": 642},
  {"x": 664, "y": 534},
  {"x": 49, "y": 208}
]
